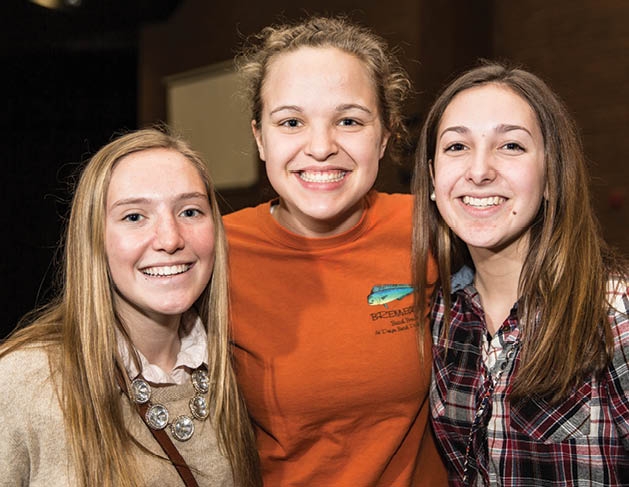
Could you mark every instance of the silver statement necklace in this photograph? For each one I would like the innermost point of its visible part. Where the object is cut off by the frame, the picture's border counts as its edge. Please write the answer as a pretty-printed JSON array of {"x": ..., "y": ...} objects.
[{"x": 157, "y": 416}]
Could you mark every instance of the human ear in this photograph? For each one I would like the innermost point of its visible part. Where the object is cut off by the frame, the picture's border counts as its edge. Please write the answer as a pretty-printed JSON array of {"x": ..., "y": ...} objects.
[
  {"x": 383, "y": 143},
  {"x": 257, "y": 134},
  {"x": 432, "y": 172}
]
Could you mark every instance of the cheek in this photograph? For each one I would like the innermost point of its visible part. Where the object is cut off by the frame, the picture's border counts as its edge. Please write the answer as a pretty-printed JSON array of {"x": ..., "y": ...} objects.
[
  {"x": 444, "y": 207},
  {"x": 114, "y": 250},
  {"x": 123, "y": 250},
  {"x": 207, "y": 256},
  {"x": 206, "y": 249},
  {"x": 364, "y": 147},
  {"x": 530, "y": 183},
  {"x": 365, "y": 154},
  {"x": 120, "y": 262},
  {"x": 444, "y": 179},
  {"x": 203, "y": 242},
  {"x": 279, "y": 148}
]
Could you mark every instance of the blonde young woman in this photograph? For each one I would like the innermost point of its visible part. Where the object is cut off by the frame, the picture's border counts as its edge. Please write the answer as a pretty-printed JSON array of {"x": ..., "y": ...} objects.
[
  {"x": 140, "y": 322},
  {"x": 325, "y": 338},
  {"x": 531, "y": 333}
]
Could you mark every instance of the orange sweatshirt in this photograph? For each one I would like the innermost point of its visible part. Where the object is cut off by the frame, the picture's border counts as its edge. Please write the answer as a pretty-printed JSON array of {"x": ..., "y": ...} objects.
[{"x": 326, "y": 352}]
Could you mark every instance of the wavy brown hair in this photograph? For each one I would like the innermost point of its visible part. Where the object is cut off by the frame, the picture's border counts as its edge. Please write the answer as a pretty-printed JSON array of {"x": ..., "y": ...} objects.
[
  {"x": 78, "y": 329},
  {"x": 391, "y": 82},
  {"x": 564, "y": 278}
]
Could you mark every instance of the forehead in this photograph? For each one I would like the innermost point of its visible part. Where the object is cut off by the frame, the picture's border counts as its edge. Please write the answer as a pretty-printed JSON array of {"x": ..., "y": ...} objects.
[
  {"x": 155, "y": 171},
  {"x": 300, "y": 71},
  {"x": 490, "y": 103}
]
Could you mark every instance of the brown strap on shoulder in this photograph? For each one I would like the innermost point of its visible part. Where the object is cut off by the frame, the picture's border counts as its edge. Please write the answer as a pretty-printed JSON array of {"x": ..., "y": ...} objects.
[{"x": 164, "y": 441}]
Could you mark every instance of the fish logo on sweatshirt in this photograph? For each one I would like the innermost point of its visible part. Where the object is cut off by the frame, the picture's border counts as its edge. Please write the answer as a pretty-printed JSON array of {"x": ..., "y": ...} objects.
[{"x": 385, "y": 293}]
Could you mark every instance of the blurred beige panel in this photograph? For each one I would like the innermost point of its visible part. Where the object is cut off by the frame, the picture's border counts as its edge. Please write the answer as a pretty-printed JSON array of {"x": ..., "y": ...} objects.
[{"x": 204, "y": 106}]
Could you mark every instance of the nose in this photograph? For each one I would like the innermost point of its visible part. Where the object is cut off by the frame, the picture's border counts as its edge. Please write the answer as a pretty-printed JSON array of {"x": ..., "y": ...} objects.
[
  {"x": 168, "y": 236},
  {"x": 481, "y": 168},
  {"x": 321, "y": 142}
]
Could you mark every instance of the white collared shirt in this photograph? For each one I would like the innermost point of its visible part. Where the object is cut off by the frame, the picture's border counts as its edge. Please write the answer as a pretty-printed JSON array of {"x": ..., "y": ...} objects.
[{"x": 192, "y": 354}]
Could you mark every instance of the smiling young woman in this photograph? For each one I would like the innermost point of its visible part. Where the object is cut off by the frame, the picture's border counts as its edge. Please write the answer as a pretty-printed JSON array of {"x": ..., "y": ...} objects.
[
  {"x": 489, "y": 171},
  {"x": 321, "y": 137},
  {"x": 325, "y": 338},
  {"x": 140, "y": 325},
  {"x": 531, "y": 325}
]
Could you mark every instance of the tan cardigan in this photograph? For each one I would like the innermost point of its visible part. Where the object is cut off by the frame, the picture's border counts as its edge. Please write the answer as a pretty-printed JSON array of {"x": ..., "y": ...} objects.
[{"x": 33, "y": 450}]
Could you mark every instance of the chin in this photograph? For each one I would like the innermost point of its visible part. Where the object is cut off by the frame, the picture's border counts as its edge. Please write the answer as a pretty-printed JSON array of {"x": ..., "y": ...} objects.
[{"x": 173, "y": 309}]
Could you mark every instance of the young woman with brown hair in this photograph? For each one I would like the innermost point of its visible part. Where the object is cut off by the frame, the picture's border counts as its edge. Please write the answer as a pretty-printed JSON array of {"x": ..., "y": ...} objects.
[
  {"x": 531, "y": 334},
  {"x": 325, "y": 339}
]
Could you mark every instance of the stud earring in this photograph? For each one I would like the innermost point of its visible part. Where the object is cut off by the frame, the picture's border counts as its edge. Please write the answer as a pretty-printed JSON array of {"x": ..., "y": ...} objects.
[{"x": 433, "y": 196}]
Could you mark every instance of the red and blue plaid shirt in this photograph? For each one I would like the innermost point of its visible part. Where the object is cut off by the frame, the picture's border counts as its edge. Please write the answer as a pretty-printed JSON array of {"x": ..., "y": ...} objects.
[{"x": 583, "y": 440}]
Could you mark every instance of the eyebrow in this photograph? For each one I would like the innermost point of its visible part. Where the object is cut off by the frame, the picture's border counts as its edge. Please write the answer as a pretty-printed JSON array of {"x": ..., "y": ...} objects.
[
  {"x": 352, "y": 106},
  {"x": 504, "y": 127},
  {"x": 459, "y": 129},
  {"x": 144, "y": 201},
  {"x": 293, "y": 108},
  {"x": 501, "y": 128},
  {"x": 340, "y": 108}
]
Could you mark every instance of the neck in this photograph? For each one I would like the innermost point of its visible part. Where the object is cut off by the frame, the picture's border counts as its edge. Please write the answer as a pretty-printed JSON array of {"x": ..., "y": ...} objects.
[
  {"x": 311, "y": 227},
  {"x": 497, "y": 279},
  {"x": 157, "y": 340}
]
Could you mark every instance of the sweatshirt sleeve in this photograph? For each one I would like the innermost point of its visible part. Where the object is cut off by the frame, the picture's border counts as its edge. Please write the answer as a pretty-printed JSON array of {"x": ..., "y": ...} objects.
[
  {"x": 33, "y": 449},
  {"x": 15, "y": 454}
]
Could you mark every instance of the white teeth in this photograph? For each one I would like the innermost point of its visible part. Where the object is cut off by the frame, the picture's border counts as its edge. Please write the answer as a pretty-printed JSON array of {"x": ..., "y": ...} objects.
[
  {"x": 169, "y": 270},
  {"x": 322, "y": 176},
  {"x": 482, "y": 202}
]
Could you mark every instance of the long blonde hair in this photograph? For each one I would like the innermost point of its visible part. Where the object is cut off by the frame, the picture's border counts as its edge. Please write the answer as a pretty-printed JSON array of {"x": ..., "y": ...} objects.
[
  {"x": 81, "y": 322},
  {"x": 564, "y": 278}
]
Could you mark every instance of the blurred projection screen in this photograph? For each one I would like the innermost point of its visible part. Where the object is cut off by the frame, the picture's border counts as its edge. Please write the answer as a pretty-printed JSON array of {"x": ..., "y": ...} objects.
[{"x": 204, "y": 106}]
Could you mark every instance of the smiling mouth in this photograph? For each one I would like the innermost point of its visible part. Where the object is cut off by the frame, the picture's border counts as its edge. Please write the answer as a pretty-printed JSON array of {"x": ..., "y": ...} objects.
[
  {"x": 165, "y": 271},
  {"x": 333, "y": 176},
  {"x": 483, "y": 202}
]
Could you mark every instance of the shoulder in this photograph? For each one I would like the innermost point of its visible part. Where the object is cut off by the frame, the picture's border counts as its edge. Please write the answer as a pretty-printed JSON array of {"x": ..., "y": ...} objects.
[
  {"x": 243, "y": 227},
  {"x": 618, "y": 370},
  {"x": 32, "y": 425},
  {"x": 396, "y": 209},
  {"x": 618, "y": 312},
  {"x": 618, "y": 295},
  {"x": 27, "y": 362},
  {"x": 398, "y": 201},
  {"x": 248, "y": 228},
  {"x": 25, "y": 379},
  {"x": 244, "y": 216},
  {"x": 24, "y": 375}
]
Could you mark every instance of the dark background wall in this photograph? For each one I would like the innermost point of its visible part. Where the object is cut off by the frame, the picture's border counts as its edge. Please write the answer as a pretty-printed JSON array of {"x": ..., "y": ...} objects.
[{"x": 72, "y": 77}]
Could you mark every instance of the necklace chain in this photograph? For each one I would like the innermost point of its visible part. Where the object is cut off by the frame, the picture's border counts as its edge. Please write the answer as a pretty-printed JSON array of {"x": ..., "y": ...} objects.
[
  {"x": 484, "y": 403},
  {"x": 157, "y": 416}
]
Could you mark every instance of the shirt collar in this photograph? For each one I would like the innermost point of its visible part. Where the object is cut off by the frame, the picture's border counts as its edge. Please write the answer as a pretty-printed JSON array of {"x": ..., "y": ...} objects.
[
  {"x": 192, "y": 354},
  {"x": 461, "y": 279}
]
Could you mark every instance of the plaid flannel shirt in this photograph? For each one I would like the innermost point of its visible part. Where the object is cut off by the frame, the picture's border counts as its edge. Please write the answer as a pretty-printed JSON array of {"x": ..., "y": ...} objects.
[{"x": 581, "y": 441}]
